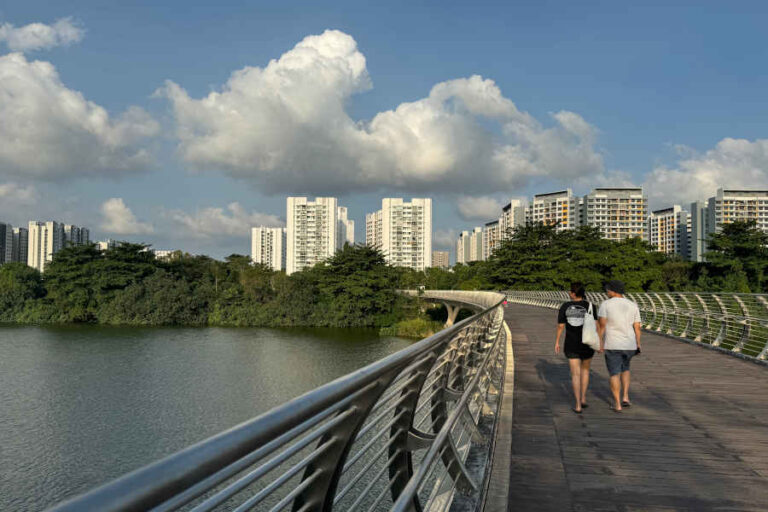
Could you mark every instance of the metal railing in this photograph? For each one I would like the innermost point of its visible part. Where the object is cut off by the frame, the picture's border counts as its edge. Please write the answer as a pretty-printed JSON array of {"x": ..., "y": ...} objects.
[
  {"x": 732, "y": 322},
  {"x": 410, "y": 432}
]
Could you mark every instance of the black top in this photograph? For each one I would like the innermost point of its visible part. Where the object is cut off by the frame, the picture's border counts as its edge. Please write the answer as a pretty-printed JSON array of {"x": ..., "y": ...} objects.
[{"x": 572, "y": 315}]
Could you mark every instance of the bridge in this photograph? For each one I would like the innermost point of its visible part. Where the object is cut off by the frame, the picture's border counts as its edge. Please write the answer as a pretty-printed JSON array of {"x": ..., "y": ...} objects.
[{"x": 478, "y": 417}]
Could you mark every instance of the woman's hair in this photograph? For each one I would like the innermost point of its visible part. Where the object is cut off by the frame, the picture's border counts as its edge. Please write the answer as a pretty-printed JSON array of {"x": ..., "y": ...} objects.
[{"x": 578, "y": 289}]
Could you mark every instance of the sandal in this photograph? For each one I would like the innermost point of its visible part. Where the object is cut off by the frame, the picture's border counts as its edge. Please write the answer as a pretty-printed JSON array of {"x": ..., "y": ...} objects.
[
  {"x": 625, "y": 403},
  {"x": 584, "y": 406},
  {"x": 614, "y": 409},
  {"x": 574, "y": 410}
]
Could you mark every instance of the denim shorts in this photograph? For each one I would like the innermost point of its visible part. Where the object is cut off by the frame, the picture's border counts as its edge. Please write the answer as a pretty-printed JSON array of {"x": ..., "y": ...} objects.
[{"x": 617, "y": 361}]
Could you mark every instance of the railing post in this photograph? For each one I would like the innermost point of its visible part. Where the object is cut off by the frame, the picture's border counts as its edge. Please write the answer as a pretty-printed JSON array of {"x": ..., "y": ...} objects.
[
  {"x": 705, "y": 328},
  {"x": 324, "y": 473},
  {"x": 745, "y": 322}
]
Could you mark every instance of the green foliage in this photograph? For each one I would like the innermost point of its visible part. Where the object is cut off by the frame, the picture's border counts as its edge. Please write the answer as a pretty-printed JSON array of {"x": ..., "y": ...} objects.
[
  {"x": 737, "y": 259},
  {"x": 416, "y": 328}
]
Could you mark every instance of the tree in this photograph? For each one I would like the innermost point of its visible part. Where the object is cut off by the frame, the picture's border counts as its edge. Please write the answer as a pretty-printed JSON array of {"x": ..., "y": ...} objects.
[{"x": 737, "y": 257}]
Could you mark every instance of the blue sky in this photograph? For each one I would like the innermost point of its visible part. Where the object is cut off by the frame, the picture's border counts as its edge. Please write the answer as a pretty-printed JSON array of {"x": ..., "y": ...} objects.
[{"x": 669, "y": 95}]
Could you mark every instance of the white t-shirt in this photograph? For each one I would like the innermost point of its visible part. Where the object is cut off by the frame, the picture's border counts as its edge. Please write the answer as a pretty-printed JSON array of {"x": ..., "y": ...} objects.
[{"x": 621, "y": 314}]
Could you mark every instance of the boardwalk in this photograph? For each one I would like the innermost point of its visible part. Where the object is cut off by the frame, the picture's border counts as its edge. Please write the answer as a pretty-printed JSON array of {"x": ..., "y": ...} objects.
[{"x": 696, "y": 437}]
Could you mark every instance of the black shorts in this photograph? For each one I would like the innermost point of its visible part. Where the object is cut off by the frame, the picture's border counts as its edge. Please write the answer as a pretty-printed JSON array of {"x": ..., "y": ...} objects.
[{"x": 582, "y": 352}]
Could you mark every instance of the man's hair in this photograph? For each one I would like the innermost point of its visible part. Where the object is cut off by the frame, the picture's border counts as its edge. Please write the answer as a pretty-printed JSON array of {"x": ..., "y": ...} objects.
[
  {"x": 615, "y": 286},
  {"x": 578, "y": 289}
]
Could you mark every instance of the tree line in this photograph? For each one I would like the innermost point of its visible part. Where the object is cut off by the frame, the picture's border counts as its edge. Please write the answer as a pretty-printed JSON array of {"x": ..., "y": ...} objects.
[{"x": 127, "y": 285}]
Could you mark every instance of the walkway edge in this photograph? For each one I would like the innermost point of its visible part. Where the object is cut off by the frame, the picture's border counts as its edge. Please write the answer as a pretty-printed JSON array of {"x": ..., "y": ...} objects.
[{"x": 497, "y": 490}]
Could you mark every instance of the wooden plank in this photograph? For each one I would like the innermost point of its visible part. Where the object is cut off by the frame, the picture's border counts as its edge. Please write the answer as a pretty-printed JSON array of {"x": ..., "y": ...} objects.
[{"x": 694, "y": 439}]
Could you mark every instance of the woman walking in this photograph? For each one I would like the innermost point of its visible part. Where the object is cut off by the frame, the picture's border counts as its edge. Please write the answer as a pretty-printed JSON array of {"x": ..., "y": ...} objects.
[{"x": 570, "y": 319}]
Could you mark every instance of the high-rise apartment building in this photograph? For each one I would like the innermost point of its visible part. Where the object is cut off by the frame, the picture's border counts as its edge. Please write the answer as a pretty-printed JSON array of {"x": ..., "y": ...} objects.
[
  {"x": 402, "y": 231},
  {"x": 669, "y": 230},
  {"x": 560, "y": 208},
  {"x": 732, "y": 205},
  {"x": 619, "y": 212},
  {"x": 311, "y": 231},
  {"x": 20, "y": 243},
  {"x": 345, "y": 234},
  {"x": 491, "y": 238},
  {"x": 476, "y": 244},
  {"x": 512, "y": 216},
  {"x": 45, "y": 240},
  {"x": 441, "y": 259},
  {"x": 699, "y": 228},
  {"x": 6, "y": 243},
  {"x": 74, "y": 235},
  {"x": 268, "y": 246},
  {"x": 463, "y": 248}
]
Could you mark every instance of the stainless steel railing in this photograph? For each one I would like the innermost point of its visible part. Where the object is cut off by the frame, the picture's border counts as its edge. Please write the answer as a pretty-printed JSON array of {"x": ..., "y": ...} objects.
[
  {"x": 409, "y": 432},
  {"x": 732, "y": 322}
]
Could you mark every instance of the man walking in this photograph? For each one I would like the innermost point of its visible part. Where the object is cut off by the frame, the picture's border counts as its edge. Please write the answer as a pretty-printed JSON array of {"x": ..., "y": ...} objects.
[{"x": 619, "y": 328}]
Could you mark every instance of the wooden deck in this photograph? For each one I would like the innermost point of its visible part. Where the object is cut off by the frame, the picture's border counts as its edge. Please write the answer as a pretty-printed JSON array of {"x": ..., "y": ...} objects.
[{"x": 695, "y": 438}]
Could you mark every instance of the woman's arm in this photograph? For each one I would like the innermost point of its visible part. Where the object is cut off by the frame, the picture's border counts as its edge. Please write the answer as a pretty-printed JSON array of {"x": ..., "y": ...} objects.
[{"x": 560, "y": 328}]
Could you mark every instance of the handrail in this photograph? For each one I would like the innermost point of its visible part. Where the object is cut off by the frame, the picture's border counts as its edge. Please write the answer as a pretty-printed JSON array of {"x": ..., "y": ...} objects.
[
  {"x": 735, "y": 323},
  {"x": 400, "y": 430}
]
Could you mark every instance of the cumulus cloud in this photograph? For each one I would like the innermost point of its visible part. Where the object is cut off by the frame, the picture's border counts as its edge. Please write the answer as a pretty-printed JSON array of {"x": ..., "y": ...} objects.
[
  {"x": 118, "y": 219},
  {"x": 445, "y": 238},
  {"x": 234, "y": 221},
  {"x": 285, "y": 126},
  {"x": 39, "y": 36},
  {"x": 732, "y": 163},
  {"x": 56, "y": 132},
  {"x": 479, "y": 208},
  {"x": 14, "y": 193}
]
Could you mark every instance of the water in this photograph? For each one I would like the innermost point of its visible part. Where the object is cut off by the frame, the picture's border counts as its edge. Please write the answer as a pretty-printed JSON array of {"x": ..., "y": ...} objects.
[{"x": 82, "y": 405}]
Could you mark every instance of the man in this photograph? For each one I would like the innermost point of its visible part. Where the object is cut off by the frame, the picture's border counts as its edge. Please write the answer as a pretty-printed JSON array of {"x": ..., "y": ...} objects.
[
  {"x": 618, "y": 327},
  {"x": 571, "y": 319}
]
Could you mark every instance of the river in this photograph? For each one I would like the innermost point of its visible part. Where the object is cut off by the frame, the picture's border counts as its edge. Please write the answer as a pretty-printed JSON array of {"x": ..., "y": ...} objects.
[{"x": 81, "y": 405}]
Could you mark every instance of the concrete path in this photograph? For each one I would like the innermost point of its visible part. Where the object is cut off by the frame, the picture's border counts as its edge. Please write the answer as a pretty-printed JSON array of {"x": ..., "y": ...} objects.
[{"x": 695, "y": 438}]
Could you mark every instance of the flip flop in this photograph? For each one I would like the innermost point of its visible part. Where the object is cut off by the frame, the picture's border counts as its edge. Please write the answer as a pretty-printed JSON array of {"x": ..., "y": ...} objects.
[
  {"x": 584, "y": 406},
  {"x": 614, "y": 409},
  {"x": 574, "y": 410},
  {"x": 624, "y": 403}
]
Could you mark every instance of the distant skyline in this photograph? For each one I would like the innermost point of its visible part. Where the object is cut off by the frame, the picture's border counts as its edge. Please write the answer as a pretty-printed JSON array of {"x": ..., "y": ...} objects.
[{"x": 184, "y": 125}]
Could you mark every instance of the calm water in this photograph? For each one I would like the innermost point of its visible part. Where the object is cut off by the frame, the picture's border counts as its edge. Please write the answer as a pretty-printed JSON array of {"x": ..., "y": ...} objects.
[{"x": 82, "y": 405}]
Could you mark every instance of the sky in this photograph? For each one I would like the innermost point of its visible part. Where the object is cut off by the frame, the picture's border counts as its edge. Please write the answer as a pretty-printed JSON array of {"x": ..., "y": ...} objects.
[{"x": 183, "y": 125}]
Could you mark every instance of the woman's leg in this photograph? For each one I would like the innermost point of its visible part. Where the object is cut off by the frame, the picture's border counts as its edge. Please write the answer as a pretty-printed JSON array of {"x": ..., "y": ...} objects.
[
  {"x": 585, "y": 379},
  {"x": 575, "y": 365}
]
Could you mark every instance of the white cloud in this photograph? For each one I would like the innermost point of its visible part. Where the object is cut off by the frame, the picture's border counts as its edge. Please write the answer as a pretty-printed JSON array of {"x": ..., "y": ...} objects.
[
  {"x": 732, "y": 163},
  {"x": 285, "y": 126},
  {"x": 118, "y": 219},
  {"x": 39, "y": 36},
  {"x": 16, "y": 194},
  {"x": 235, "y": 221},
  {"x": 483, "y": 208},
  {"x": 445, "y": 238},
  {"x": 56, "y": 132}
]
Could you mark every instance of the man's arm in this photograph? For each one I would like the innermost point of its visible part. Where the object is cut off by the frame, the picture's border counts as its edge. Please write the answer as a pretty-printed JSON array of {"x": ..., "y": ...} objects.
[
  {"x": 560, "y": 328},
  {"x": 601, "y": 321},
  {"x": 638, "y": 329}
]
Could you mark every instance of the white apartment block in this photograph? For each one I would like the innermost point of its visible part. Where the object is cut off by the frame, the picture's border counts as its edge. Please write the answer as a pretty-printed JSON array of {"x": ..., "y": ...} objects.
[
  {"x": 512, "y": 216},
  {"x": 619, "y": 212},
  {"x": 476, "y": 244},
  {"x": 560, "y": 208},
  {"x": 105, "y": 245},
  {"x": 463, "y": 248},
  {"x": 738, "y": 205},
  {"x": 6, "y": 243},
  {"x": 491, "y": 238},
  {"x": 268, "y": 246},
  {"x": 345, "y": 234},
  {"x": 311, "y": 231},
  {"x": 441, "y": 259},
  {"x": 45, "y": 240},
  {"x": 20, "y": 245},
  {"x": 669, "y": 230},
  {"x": 402, "y": 231}
]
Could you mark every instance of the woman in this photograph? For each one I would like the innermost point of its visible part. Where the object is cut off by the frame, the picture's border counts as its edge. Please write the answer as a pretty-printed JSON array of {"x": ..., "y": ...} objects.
[{"x": 571, "y": 319}]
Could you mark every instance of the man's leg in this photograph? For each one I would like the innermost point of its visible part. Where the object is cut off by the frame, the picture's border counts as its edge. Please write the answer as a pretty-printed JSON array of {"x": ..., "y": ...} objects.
[
  {"x": 575, "y": 365},
  {"x": 625, "y": 385},
  {"x": 615, "y": 391},
  {"x": 585, "y": 379}
]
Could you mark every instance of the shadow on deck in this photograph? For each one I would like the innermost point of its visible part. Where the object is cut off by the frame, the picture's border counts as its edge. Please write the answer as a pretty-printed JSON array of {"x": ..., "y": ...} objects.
[{"x": 695, "y": 438}]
